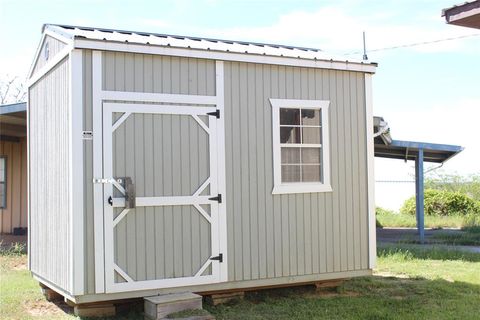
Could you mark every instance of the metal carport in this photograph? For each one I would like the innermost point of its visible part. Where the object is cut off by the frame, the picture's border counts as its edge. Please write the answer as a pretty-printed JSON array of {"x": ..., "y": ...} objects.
[{"x": 420, "y": 152}]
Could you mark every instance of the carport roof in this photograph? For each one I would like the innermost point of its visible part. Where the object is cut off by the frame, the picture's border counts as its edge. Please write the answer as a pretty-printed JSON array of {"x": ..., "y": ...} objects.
[{"x": 408, "y": 150}]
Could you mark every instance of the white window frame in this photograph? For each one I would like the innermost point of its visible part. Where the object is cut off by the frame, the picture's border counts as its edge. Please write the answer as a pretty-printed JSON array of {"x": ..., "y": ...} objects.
[{"x": 280, "y": 187}]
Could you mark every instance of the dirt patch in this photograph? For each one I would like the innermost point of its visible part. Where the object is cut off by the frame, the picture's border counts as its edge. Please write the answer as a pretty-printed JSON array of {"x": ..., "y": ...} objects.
[
  {"x": 19, "y": 265},
  {"x": 41, "y": 307}
]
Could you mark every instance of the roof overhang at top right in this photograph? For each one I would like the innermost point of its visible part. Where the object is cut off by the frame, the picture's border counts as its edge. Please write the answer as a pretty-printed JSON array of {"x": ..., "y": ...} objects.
[{"x": 465, "y": 15}]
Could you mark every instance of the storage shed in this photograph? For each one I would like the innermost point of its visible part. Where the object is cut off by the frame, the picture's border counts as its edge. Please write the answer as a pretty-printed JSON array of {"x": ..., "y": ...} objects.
[{"x": 162, "y": 164}]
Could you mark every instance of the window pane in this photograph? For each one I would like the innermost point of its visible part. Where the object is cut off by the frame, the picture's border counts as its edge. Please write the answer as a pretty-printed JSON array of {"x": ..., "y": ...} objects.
[
  {"x": 2, "y": 169},
  {"x": 311, "y": 117},
  {"x": 311, "y": 155},
  {"x": 289, "y": 135},
  {"x": 289, "y": 116},
  {"x": 2, "y": 195},
  {"x": 312, "y": 135},
  {"x": 311, "y": 173},
  {"x": 290, "y": 173},
  {"x": 290, "y": 155}
]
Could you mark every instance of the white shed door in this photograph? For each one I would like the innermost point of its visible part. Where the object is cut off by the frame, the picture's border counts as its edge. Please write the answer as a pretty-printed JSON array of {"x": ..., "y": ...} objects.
[{"x": 161, "y": 196}]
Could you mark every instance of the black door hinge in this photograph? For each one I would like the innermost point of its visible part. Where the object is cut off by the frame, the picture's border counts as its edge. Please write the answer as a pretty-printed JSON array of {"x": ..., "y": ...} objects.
[
  {"x": 217, "y": 198},
  {"x": 219, "y": 258},
  {"x": 215, "y": 113}
]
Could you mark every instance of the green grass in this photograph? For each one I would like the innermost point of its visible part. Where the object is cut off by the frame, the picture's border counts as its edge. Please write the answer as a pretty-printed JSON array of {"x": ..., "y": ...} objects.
[
  {"x": 406, "y": 220},
  {"x": 409, "y": 283}
]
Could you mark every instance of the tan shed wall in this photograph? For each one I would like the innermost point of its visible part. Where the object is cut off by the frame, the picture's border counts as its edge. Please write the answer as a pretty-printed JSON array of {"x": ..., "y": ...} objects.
[
  {"x": 55, "y": 46},
  {"x": 15, "y": 213},
  {"x": 49, "y": 118},
  {"x": 302, "y": 236}
]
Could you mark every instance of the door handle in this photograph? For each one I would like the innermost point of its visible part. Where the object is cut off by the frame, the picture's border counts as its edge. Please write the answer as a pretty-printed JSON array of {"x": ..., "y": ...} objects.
[{"x": 110, "y": 200}]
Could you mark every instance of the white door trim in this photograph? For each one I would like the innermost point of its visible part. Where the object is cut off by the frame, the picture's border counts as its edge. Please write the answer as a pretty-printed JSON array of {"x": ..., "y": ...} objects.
[
  {"x": 195, "y": 199},
  {"x": 98, "y": 171}
]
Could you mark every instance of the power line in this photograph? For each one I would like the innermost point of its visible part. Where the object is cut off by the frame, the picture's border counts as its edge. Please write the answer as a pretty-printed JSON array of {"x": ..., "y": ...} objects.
[{"x": 416, "y": 44}]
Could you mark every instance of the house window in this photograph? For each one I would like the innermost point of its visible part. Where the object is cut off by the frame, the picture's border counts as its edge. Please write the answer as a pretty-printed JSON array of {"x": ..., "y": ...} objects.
[
  {"x": 3, "y": 182},
  {"x": 300, "y": 146}
]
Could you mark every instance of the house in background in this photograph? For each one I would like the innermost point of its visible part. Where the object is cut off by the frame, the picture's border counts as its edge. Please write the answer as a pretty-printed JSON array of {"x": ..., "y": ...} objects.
[
  {"x": 13, "y": 169},
  {"x": 465, "y": 15}
]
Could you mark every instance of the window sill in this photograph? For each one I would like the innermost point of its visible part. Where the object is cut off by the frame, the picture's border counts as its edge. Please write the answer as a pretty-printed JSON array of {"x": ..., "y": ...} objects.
[{"x": 301, "y": 188}]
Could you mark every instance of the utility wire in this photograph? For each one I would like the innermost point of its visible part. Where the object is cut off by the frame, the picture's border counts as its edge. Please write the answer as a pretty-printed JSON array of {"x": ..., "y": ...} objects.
[{"x": 415, "y": 44}]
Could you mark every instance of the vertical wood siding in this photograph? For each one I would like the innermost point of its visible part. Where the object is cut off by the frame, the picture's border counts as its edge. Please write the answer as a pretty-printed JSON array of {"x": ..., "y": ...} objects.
[
  {"x": 299, "y": 234},
  {"x": 268, "y": 236},
  {"x": 49, "y": 179},
  {"x": 15, "y": 213},
  {"x": 54, "y": 47}
]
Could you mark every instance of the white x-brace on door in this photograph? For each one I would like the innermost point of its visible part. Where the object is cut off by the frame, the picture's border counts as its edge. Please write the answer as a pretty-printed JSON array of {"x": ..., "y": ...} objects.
[{"x": 161, "y": 213}]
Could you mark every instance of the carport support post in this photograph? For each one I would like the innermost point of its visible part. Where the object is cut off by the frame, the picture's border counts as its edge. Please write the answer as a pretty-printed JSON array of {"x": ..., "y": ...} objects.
[{"x": 419, "y": 195}]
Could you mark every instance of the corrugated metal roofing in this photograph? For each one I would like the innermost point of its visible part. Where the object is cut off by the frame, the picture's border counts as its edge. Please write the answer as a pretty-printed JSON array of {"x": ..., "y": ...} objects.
[{"x": 77, "y": 32}]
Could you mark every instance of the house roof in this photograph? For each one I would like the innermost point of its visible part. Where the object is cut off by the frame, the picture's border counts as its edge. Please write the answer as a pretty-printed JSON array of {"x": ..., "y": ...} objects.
[
  {"x": 466, "y": 15},
  {"x": 13, "y": 120},
  {"x": 13, "y": 108},
  {"x": 72, "y": 33}
]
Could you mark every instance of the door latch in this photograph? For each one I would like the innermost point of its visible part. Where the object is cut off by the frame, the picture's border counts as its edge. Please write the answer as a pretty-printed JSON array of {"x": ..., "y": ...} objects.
[
  {"x": 129, "y": 193},
  {"x": 110, "y": 200}
]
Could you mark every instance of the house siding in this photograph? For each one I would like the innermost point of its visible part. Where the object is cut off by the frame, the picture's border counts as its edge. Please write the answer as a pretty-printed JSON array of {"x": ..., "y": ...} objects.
[
  {"x": 14, "y": 215},
  {"x": 49, "y": 119}
]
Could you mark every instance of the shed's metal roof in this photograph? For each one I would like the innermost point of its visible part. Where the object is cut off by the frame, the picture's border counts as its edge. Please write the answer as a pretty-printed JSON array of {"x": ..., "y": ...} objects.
[{"x": 191, "y": 42}]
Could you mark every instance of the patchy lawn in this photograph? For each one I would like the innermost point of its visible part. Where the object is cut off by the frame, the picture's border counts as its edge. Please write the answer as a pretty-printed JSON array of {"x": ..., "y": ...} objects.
[
  {"x": 388, "y": 219},
  {"x": 409, "y": 283},
  {"x": 467, "y": 237}
]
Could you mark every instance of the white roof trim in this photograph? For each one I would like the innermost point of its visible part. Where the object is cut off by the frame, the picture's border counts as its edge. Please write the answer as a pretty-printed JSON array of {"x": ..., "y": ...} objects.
[
  {"x": 52, "y": 31},
  {"x": 141, "y": 42}
]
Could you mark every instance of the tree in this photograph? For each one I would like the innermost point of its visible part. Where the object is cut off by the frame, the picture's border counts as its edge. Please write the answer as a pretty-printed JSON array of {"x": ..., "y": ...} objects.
[{"x": 12, "y": 89}]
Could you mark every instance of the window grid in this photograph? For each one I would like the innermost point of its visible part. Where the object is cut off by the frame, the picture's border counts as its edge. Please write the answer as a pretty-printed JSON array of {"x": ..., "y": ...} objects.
[{"x": 300, "y": 164}]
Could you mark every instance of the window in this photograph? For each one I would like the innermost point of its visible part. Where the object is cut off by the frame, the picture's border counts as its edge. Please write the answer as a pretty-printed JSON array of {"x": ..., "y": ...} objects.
[
  {"x": 3, "y": 182},
  {"x": 300, "y": 146}
]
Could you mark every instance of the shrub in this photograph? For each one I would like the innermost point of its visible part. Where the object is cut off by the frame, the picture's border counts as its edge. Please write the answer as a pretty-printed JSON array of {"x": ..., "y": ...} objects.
[
  {"x": 382, "y": 211},
  {"x": 443, "y": 203},
  {"x": 469, "y": 185}
]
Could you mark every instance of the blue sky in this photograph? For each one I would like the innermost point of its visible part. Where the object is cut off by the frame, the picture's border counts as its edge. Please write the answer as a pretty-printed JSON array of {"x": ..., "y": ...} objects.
[{"x": 426, "y": 93}]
